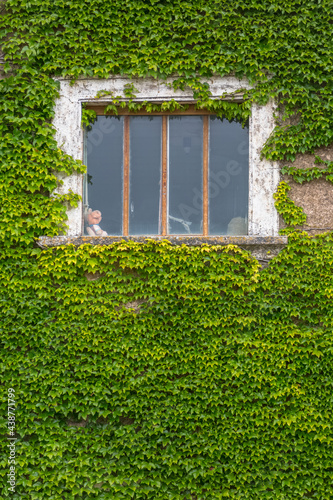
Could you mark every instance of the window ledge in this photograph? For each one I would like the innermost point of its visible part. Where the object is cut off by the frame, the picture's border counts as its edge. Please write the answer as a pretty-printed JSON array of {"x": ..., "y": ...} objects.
[{"x": 263, "y": 248}]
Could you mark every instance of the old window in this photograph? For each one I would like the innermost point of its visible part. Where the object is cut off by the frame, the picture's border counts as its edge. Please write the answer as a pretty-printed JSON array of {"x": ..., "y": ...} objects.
[
  {"x": 160, "y": 175},
  {"x": 167, "y": 174}
]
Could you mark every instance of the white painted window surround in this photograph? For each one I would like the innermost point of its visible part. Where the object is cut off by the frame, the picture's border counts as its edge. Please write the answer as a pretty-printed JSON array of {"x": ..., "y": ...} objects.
[{"x": 263, "y": 174}]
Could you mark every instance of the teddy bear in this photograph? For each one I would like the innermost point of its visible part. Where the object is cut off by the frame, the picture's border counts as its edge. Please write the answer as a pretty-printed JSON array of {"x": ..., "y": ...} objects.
[{"x": 93, "y": 218}]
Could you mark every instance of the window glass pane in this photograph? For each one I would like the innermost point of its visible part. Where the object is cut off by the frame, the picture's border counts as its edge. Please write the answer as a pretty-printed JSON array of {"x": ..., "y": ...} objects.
[
  {"x": 145, "y": 174},
  {"x": 228, "y": 177},
  {"x": 104, "y": 145},
  {"x": 185, "y": 174}
]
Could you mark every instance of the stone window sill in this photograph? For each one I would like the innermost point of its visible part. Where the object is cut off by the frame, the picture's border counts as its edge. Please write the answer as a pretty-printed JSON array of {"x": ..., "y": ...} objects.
[{"x": 263, "y": 248}]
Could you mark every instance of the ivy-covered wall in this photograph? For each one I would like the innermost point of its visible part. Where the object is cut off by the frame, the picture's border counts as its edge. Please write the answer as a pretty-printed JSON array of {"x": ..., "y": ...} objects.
[{"x": 151, "y": 371}]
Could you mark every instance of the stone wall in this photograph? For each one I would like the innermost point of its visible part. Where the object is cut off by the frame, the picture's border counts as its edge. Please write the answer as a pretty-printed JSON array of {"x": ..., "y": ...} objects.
[{"x": 315, "y": 197}]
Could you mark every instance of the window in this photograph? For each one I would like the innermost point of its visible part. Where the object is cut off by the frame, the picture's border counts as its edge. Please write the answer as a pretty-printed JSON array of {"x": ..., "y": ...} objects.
[
  {"x": 170, "y": 181},
  {"x": 158, "y": 174}
]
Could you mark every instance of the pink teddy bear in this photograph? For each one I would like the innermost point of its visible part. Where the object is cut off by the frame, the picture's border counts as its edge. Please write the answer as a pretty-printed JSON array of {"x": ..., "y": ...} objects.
[{"x": 93, "y": 219}]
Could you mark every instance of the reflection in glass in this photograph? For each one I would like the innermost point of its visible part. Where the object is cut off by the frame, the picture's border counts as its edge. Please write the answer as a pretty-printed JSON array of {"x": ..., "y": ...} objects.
[
  {"x": 228, "y": 177},
  {"x": 145, "y": 174},
  {"x": 185, "y": 174},
  {"x": 104, "y": 145}
]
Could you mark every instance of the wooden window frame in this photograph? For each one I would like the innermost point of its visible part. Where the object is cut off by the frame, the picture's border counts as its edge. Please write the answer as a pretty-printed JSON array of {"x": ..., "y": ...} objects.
[{"x": 126, "y": 113}]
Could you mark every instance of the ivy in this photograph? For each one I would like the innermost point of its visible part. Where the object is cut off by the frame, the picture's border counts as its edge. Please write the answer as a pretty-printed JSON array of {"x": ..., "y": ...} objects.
[
  {"x": 88, "y": 116},
  {"x": 224, "y": 109},
  {"x": 291, "y": 213},
  {"x": 301, "y": 175},
  {"x": 149, "y": 370},
  {"x": 171, "y": 371},
  {"x": 190, "y": 39}
]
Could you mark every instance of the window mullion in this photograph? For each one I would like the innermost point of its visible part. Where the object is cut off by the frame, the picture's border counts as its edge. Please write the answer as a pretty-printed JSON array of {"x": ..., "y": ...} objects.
[
  {"x": 205, "y": 173},
  {"x": 126, "y": 175},
  {"x": 164, "y": 192}
]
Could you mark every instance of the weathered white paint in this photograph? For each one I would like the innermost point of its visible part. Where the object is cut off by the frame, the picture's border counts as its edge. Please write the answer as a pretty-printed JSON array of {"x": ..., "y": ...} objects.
[{"x": 264, "y": 175}]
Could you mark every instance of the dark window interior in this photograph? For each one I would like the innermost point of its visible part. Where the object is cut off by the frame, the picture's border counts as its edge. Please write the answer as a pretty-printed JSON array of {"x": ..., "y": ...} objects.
[{"x": 174, "y": 174}]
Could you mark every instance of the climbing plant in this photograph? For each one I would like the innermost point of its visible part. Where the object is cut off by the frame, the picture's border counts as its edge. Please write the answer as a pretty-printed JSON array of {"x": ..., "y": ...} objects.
[{"x": 147, "y": 370}]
